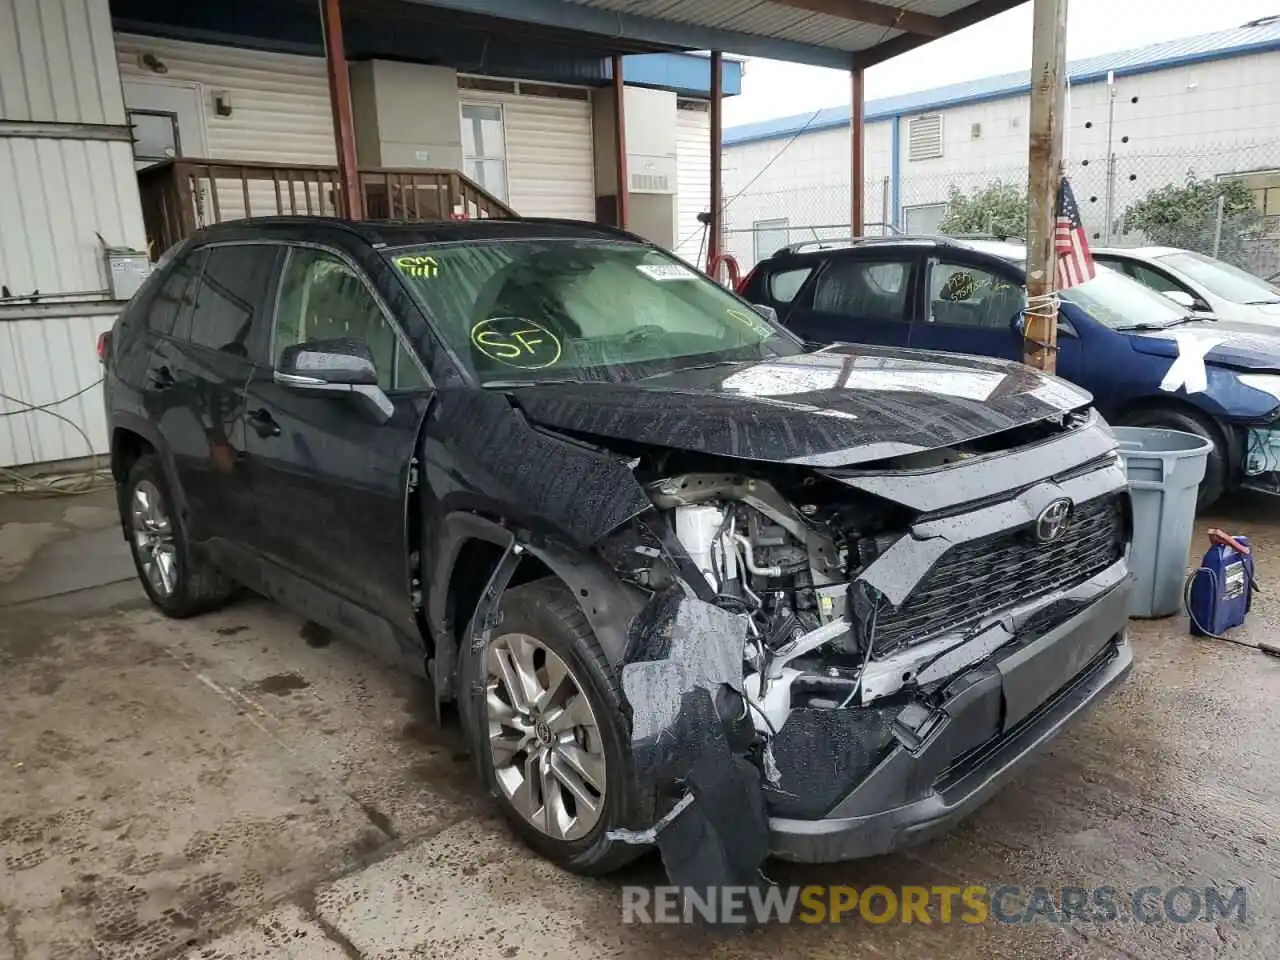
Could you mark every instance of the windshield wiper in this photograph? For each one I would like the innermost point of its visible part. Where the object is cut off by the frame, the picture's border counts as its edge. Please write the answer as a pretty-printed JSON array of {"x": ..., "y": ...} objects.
[
  {"x": 1148, "y": 325},
  {"x": 511, "y": 384},
  {"x": 1261, "y": 303},
  {"x": 698, "y": 366}
]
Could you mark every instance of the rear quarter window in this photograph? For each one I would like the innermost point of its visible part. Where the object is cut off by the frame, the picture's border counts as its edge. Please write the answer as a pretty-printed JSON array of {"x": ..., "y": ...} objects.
[{"x": 783, "y": 286}]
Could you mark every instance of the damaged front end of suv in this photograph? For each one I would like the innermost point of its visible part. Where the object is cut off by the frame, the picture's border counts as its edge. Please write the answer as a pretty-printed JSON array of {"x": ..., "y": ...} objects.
[{"x": 829, "y": 655}]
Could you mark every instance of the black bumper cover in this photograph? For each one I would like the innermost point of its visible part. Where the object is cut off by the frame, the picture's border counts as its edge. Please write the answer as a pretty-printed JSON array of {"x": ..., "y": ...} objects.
[{"x": 999, "y": 716}]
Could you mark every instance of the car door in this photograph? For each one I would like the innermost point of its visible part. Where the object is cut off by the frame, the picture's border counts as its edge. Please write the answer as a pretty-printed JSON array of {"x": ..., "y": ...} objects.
[
  {"x": 857, "y": 298},
  {"x": 970, "y": 306},
  {"x": 196, "y": 384},
  {"x": 329, "y": 484}
]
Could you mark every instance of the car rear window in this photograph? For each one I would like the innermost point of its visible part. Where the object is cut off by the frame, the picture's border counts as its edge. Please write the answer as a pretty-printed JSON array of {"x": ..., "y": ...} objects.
[{"x": 785, "y": 284}]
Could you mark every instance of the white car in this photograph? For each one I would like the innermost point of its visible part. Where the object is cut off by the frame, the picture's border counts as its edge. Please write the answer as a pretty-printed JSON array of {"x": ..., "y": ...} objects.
[{"x": 1199, "y": 283}]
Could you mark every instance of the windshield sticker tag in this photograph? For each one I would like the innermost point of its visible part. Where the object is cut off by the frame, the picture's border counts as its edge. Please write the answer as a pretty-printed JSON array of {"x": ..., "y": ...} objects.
[
  {"x": 418, "y": 266},
  {"x": 666, "y": 271},
  {"x": 518, "y": 343},
  {"x": 1187, "y": 370}
]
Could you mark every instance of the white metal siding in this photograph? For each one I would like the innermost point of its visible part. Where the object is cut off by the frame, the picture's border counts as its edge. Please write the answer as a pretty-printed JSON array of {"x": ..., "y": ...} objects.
[
  {"x": 56, "y": 63},
  {"x": 693, "y": 182},
  {"x": 42, "y": 362},
  {"x": 280, "y": 108},
  {"x": 1199, "y": 119},
  {"x": 59, "y": 195},
  {"x": 550, "y": 161}
]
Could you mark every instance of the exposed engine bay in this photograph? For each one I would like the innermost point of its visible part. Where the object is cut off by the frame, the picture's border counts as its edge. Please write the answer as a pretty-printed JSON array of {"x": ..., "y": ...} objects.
[{"x": 788, "y": 569}]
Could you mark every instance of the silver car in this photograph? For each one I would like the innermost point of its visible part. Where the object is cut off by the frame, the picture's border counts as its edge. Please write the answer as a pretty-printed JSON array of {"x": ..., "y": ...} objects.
[{"x": 1199, "y": 283}]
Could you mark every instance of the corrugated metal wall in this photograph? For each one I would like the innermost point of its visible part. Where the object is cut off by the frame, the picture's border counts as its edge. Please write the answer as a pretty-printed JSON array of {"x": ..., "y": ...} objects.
[
  {"x": 693, "y": 178},
  {"x": 550, "y": 159},
  {"x": 56, "y": 62},
  {"x": 43, "y": 362},
  {"x": 58, "y": 195}
]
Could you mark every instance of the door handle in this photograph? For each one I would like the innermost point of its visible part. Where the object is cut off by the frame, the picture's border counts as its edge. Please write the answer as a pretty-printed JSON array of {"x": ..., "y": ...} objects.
[
  {"x": 263, "y": 423},
  {"x": 161, "y": 378}
]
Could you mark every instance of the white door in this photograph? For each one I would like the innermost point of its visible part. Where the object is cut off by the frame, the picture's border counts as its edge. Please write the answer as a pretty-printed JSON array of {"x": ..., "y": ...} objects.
[{"x": 167, "y": 120}]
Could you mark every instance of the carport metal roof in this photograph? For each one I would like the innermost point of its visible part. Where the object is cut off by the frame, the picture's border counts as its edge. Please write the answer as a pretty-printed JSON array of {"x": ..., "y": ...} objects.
[{"x": 827, "y": 33}]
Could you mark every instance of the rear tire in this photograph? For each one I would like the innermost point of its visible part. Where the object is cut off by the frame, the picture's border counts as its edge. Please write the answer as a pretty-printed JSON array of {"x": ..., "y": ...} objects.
[
  {"x": 177, "y": 579},
  {"x": 558, "y": 758},
  {"x": 1216, "y": 471}
]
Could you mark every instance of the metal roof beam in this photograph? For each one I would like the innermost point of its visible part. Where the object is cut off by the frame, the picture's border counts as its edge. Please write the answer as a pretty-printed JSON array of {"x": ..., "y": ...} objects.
[
  {"x": 879, "y": 14},
  {"x": 964, "y": 17},
  {"x": 617, "y": 27}
]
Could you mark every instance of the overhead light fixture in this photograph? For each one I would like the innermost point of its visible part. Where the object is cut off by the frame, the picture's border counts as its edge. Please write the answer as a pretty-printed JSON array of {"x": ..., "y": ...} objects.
[{"x": 149, "y": 61}]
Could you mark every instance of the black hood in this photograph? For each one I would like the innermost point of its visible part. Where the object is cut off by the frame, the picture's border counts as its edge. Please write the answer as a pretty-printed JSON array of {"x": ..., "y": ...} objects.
[{"x": 844, "y": 405}]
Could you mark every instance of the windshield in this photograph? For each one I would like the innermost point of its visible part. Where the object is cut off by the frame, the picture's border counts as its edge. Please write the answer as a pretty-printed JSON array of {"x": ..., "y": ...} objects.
[
  {"x": 1120, "y": 303},
  {"x": 1222, "y": 279},
  {"x": 525, "y": 310}
]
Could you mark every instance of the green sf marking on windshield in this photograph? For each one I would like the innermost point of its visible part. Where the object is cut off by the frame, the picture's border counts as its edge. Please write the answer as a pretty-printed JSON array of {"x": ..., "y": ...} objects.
[{"x": 419, "y": 266}]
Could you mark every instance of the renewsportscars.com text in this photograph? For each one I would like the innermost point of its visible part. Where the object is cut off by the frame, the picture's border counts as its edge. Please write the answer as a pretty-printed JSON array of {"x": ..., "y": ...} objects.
[{"x": 939, "y": 904}]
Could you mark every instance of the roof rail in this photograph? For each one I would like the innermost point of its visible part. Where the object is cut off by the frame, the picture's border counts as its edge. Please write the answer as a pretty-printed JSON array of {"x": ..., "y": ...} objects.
[{"x": 835, "y": 243}]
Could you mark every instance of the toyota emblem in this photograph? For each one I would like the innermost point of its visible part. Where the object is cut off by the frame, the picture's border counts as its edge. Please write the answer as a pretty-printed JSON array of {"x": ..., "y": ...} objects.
[{"x": 1052, "y": 521}]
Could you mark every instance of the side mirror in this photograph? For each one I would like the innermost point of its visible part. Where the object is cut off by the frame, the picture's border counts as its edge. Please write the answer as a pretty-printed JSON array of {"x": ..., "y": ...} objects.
[
  {"x": 766, "y": 311},
  {"x": 335, "y": 368},
  {"x": 1181, "y": 298}
]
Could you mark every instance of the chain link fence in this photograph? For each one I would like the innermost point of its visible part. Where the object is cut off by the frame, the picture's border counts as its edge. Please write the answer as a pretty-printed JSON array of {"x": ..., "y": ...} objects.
[{"x": 1220, "y": 199}]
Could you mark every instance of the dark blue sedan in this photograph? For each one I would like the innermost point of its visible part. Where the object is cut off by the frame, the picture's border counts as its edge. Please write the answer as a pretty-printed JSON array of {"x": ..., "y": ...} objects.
[{"x": 1146, "y": 360}]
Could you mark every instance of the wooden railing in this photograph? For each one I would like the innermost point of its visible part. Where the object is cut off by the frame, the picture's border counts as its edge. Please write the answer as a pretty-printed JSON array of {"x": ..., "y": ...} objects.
[{"x": 181, "y": 196}]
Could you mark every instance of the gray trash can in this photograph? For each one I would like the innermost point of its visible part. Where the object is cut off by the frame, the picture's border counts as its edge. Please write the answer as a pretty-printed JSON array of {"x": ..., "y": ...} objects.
[{"x": 1164, "y": 468}]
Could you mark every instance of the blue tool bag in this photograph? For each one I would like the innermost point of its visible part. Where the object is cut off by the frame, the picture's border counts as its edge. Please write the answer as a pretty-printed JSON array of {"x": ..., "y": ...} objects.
[{"x": 1218, "y": 595}]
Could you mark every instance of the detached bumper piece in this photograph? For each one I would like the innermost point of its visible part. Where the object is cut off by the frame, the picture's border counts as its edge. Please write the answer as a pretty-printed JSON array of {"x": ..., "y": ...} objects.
[
  {"x": 690, "y": 738},
  {"x": 934, "y": 765}
]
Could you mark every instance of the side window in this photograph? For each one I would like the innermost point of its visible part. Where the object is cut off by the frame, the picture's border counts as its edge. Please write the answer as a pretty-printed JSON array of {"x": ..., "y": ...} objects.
[
  {"x": 323, "y": 298},
  {"x": 175, "y": 297},
  {"x": 867, "y": 289},
  {"x": 785, "y": 284},
  {"x": 1154, "y": 279},
  {"x": 233, "y": 297},
  {"x": 963, "y": 295}
]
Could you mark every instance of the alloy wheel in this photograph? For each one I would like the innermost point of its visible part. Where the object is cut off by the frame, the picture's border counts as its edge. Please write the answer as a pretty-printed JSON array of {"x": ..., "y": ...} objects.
[
  {"x": 153, "y": 538},
  {"x": 544, "y": 739}
]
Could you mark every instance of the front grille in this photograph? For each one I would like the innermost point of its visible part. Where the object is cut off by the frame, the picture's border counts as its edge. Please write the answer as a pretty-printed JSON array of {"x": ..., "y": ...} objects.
[{"x": 985, "y": 576}]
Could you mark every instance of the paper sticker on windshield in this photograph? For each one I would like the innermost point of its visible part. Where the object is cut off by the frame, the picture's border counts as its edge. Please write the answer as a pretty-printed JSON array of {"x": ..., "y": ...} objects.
[
  {"x": 517, "y": 343},
  {"x": 418, "y": 266},
  {"x": 666, "y": 271}
]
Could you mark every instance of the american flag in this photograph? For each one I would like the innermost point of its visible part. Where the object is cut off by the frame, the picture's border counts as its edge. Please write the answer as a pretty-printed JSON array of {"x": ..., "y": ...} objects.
[{"x": 1075, "y": 262}]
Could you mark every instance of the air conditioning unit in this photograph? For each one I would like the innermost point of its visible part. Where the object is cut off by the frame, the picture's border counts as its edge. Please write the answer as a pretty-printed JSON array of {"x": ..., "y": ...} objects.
[
  {"x": 651, "y": 141},
  {"x": 651, "y": 174}
]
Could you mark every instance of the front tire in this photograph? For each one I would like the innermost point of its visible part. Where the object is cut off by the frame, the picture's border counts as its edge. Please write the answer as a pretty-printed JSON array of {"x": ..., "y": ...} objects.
[
  {"x": 549, "y": 731},
  {"x": 177, "y": 580},
  {"x": 1216, "y": 470}
]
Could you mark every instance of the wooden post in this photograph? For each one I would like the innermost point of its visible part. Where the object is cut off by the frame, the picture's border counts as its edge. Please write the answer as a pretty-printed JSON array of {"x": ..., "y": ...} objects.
[
  {"x": 1048, "y": 120},
  {"x": 335, "y": 57},
  {"x": 857, "y": 158},
  {"x": 717, "y": 187},
  {"x": 620, "y": 143}
]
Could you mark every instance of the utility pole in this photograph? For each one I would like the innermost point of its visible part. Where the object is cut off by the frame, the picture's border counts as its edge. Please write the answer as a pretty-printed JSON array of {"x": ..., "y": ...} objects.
[{"x": 1048, "y": 121}]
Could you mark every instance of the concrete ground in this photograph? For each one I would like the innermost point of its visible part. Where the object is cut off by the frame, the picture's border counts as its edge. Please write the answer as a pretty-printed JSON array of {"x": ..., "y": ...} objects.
[{"x": 236, "y": 786}]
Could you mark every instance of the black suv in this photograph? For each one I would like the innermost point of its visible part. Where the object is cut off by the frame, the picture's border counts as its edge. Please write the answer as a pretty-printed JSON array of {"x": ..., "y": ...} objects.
[{"x": 687, "y": 583}]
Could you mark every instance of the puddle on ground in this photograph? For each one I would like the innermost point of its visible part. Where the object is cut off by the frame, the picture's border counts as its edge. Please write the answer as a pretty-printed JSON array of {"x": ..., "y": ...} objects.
[{"x": 280, "y": 684}]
